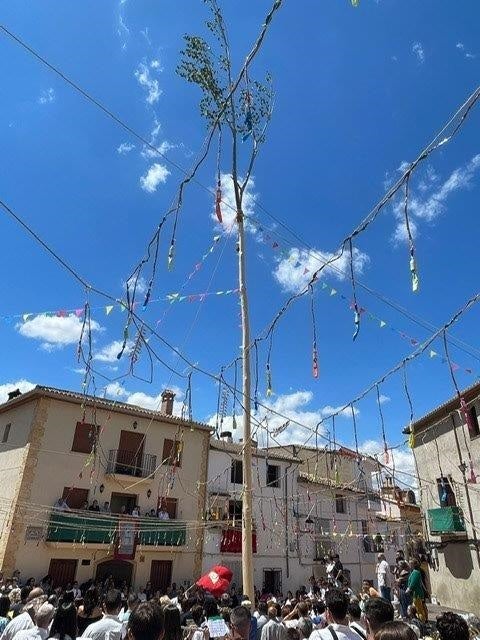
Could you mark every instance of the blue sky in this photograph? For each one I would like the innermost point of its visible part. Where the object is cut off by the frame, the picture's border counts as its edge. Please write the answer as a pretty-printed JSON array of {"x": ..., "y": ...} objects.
[{"x": 358, "y": 92}]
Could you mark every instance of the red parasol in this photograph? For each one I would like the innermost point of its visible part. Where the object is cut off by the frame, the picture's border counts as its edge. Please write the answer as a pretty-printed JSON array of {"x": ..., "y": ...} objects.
[{"x": 216, "y": 581}]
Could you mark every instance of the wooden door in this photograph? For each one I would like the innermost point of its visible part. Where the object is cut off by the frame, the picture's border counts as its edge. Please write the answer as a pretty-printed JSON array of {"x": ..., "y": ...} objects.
[
  {"x": 130, "y": 453},
  {"x": 169, "y": 505},
  {"x": 128, "y": 500},
  {"x": 161, "y": 575},
  {"x": 62, "y": 572},
  {"x": 75, "y": 498}
]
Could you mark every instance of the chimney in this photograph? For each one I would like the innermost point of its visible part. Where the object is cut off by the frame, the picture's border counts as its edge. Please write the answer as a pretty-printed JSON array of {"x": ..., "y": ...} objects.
[
  {"x": 226, "y": 436},
  {"x": 167, "y": 402},
  {"x": 14, "y": 394}
]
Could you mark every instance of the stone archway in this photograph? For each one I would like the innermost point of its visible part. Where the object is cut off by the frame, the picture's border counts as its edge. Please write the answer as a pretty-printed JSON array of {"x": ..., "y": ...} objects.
[{"x": 121, "y": 570}]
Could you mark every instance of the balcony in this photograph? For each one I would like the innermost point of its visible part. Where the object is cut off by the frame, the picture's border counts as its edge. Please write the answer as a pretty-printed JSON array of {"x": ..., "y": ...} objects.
[
  {"x": 231, "y": 541},
  {"x": 445, "y": 520},
  {"x": 78, "y": 527},
  {"x": 131, "y": 463}
]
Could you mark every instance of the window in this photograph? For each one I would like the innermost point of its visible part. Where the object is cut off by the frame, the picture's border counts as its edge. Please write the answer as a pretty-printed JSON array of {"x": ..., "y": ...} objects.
[
  {"x": 84, "y": 438},
  {"x": 445, "y": 493},
  {"x": 323, "y": 548},
  {"x": 236, "y": 472},
  {"x": 172, "y": 452},
  {"x": 473, "y": 428},
  {"x": 75, "y": 498},
  {"x": 340, "y": 505},
  {"x": 273, "y": 476},
  {"x": 322, "y": 526},
  {"x": 6, "y": 432},
  {"x": 170, "y": 506},
  {"x": 364, "y": 524},
  {"x": 234, "y": 509}
]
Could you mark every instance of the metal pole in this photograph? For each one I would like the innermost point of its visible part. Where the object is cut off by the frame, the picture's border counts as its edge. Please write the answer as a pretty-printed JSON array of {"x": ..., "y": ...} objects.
[{"x": 247, "y": 552}]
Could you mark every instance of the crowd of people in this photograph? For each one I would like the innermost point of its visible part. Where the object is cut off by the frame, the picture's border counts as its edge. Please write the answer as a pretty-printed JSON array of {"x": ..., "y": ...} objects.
[
  {"x": 161, "y": 513},
  {"x": 327, "y": 609}
]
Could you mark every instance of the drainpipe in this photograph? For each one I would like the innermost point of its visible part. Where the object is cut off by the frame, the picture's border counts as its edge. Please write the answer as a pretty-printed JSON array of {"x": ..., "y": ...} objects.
[
  {"x": 285, "y": 488},
  {"x": 463, "y": 469}
]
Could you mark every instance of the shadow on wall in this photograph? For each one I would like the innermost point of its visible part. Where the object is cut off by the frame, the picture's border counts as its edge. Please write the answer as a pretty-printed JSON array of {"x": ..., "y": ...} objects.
[{"x": 459, "y": 560}]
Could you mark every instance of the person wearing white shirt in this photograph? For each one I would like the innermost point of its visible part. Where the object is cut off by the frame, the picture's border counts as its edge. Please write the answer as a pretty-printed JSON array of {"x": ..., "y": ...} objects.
[
  {"x": 142, "y": 596},
  {"x": 109, "y": 627},
  {"x": 337, "y": 606},
  {"x": 355, "y": 617},
  {"x": 40, "y": 631},
  {"x": 25, "y": 619},
  {"x": 162, "y": 514},
  {"x": 76, "y": 591},
  {"x": 383, "y": 577},
  {"x": 61, "y": 505}
]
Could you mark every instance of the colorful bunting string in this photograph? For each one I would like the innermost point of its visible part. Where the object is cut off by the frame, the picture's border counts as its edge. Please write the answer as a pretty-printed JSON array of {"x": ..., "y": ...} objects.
[
  {"x": 109, "y": 309},
  {"x": 329, "y": 290}
]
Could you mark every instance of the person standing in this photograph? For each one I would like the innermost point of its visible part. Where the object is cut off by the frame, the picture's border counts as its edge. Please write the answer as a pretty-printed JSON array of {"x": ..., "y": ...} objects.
[
  {"x": 416, "y": 589},
  {"x": 109, "y": 626},
  {"x": 43, "y": 618},
  {"x": 337, "y": 607},
  {"x": 377, "y": 613},
  {"x": 384, "y": 579},
  {"x": 146, "y": 622}
]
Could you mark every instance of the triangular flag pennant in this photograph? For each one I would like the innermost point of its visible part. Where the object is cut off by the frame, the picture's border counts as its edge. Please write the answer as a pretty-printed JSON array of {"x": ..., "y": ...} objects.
[
  {"x": 324, "y": 285},
  {"x": 26, "y": 316},
  {"x": 305, "y": 271},
  {"x": 109, "y": 309},
  {"x": 433, "y": 353},
  {"x": 216, "y": 238},
  {"x": 455, "y": 366},
  {"x": 79, "y": 313},
  {"x": 275, "y": 245},
  {"x": 333, "y": 292}
]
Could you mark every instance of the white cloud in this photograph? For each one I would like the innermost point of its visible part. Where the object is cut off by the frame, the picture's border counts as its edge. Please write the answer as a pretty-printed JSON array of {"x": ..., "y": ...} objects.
[
  {"x": 163, "y": 147},
  {"x": 342, "y": 412},
  {"x": 125, "y": 148},
  {"x": 115, "y": 390},
  {"x": 80, "y": 370},
  {"x": 22, "y": 384},
  {"x": 430, "y": 207},
  {"x": 143, "y": 74},
  {"x": 122, "y": 30},
  {"x": 400, "y": 460},
  {"x": 294, "y": 405},
  {"x": 295, "y": 270},
  {"x": 156, "y": 174},
  {"x": 155, "y": 64},
  {"x": 152, "y": 402},
  {"x": 228, "y": 206},
  {"x": 47, "y": 96},
  {"x": 461, "y": 47},
  {"x": 384, "y": 399},
  {"x": 109, "y": 352},
  {"x": 54, "y": 332},
  {"x": 141, "y": 285},
  {"x": 418, "y": 51},
  {"x": 145, "y": 34},
  {"x": 400, "y": 234}
]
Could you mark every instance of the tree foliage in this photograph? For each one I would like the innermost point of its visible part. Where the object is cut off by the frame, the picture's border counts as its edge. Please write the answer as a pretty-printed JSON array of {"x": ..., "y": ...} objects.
[{"x": 208, "y": 65}]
